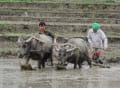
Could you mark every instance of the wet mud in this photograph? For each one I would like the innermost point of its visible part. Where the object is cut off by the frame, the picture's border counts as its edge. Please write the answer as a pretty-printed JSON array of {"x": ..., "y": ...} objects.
[{"x": 12, "y": 77}]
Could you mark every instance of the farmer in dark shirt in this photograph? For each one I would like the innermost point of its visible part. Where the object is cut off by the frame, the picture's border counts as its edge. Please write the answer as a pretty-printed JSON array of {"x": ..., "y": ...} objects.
[{"x": 42, "y": 29}]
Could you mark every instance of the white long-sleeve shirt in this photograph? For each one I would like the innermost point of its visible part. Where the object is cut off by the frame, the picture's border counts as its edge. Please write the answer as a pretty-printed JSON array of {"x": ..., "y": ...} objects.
[{"x": 98, "y": 39}]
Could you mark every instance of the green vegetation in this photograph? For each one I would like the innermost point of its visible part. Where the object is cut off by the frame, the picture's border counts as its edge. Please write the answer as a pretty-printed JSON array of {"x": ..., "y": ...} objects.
[{"x": 65, "y": 1}]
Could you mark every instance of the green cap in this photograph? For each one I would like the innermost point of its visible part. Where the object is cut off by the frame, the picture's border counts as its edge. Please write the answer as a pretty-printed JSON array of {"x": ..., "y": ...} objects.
[{"x": 95, "y": 26}]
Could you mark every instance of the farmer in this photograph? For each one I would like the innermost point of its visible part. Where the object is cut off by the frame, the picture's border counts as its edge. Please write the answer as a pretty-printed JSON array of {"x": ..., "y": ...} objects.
[
  {"x": 42, "y": 29},
  {"x": 98, "y": 41}
]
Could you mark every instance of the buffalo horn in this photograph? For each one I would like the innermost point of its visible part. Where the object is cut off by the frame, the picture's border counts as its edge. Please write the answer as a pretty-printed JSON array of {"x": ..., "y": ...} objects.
[{"x": 20, "y": 39}]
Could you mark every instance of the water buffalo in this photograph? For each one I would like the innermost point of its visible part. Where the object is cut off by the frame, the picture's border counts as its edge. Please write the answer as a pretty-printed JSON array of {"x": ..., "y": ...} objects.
[
  {"x": 74, "y": 51},
  {"x": 37, "y": 47}
]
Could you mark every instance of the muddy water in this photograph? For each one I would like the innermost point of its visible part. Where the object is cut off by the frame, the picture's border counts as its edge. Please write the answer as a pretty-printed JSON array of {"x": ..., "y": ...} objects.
[{"x": 12, "y": 77}]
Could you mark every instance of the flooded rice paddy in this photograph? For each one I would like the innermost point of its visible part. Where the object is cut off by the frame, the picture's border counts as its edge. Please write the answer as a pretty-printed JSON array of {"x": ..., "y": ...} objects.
[{"x": 12, "y": 77}]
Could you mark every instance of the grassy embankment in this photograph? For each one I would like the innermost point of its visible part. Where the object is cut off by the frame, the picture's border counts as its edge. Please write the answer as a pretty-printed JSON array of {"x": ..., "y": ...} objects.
[
  {"x": 75, "y": 34},
  {"x": 64, "y": 1}
]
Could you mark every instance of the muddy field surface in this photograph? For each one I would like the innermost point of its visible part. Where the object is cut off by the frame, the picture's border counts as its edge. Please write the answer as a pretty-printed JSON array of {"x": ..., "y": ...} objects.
[{"x": 12, "y": 77}]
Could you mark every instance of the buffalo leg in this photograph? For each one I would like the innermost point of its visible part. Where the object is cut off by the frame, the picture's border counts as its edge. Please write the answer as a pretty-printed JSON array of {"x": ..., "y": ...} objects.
[
  {"x": 51, "y": 60},
  {"x": 79, "y": 64},
  {"x": 81, "y": 60},
  {"x": 89, "y": 62},
  {"x": 43, "y": 63},
  {"x": 39, "y": 64},
  {"x": 27, "y": 60},
  {"x": 75, "y": 64}
]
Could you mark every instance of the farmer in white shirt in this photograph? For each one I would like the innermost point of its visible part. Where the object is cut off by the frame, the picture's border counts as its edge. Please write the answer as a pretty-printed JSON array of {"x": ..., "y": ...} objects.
[{"x": 98, "y": 40}]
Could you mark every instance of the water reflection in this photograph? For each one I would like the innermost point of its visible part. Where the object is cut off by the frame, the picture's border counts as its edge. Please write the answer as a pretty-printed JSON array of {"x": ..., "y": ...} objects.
[{"x": 12, "y": 77}]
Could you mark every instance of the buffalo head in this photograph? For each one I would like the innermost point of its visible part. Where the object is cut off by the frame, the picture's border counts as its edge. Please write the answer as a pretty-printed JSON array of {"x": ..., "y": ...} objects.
[
  {"x": 63, "y": 52},
  {"x": 30, "y": 44},
  {"x": 24, "y": 46}
]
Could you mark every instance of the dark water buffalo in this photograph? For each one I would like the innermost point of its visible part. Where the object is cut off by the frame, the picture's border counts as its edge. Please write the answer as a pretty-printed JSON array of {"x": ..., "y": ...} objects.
[
  {"x": 74, "y": 51},
  {"x": 37, "y": 47}
]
